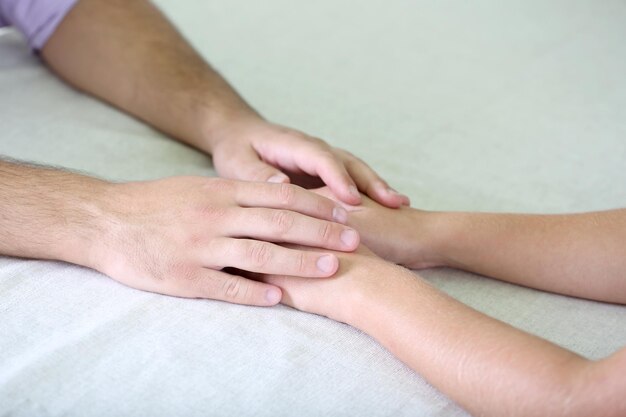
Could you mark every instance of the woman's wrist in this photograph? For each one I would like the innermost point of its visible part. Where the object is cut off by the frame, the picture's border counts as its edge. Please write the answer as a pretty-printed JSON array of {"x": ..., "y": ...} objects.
[
  {"x": 466, "y": 237},
  {"x": 430, "y": 240},
  {"x": 375, "y": 284}
]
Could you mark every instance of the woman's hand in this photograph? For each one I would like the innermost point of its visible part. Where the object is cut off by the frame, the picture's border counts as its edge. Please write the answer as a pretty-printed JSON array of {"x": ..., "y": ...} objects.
[
  {"x": 360, "y": 277},
  {"x": 404, "y": 236},
  {"x": 486, "y": 366},
  {"x": 174, "y": 236}
]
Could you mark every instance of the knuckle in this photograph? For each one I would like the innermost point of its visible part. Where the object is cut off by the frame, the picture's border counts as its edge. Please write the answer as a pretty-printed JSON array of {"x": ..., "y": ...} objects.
[
  {"x": 259, "y": 254},
  {"x": 347, "y": 155},
  {"x": 291, "y": 134},
  {"x": 210, "y": 211},
  {"x": 327, "y": 155},
  {"x": 318, "y": 142},
  {"x": 219, "y": 247},
  {"x": 322, "y": 206},
  {"x": 181, "y": 271},
  {"x": 282, "y": 221},
  {"x": 195, "y": 240},
  {"x": 217, "y": 185},
  {"x": 331, "y": 163},
  {"x": 286, "y": 194},
  {"x": 301, "y": 263},
  {"x": 259, "y": 175},
  {"x": 353, "y": 162},
  {"x": 233, "y": 288},
  {"x": 324, "y": 232},
  {"x": 361, "y": 163},
  {"x": 312, "y": 139}
]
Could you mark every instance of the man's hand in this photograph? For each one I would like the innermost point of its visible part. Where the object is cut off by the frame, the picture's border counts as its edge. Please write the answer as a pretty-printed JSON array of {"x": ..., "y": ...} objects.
[
  {"x": 159, "y": 77},
  {"x": 174, "y": 236},
  {"x": 259, "y": 151}
]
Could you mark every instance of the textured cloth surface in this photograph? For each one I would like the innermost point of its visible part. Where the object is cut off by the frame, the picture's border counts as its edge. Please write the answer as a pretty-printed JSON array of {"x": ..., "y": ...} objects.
[
  {"x": 493, "y": 106},
  {"x": 36, "y": 19}
]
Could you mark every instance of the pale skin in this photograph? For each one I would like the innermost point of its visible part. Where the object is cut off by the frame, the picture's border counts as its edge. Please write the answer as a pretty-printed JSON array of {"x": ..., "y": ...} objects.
[
  {"x": 175, "y": 236},
  {"x": 128, "y": 54},
  {"x": 172, "y": 236},
  {"x": 486, "y": 366}
]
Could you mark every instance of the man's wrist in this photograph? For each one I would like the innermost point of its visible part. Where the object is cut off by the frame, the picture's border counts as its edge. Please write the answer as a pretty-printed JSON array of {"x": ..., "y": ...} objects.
[
  {"x": 225, "y": 124},
  {"x": 49, "y": 213},
  {"x": 87, "y": 218}
]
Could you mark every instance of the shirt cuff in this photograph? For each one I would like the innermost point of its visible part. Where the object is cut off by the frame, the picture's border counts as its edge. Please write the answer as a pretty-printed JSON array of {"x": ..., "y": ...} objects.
[{"x": 36, "y": 19}]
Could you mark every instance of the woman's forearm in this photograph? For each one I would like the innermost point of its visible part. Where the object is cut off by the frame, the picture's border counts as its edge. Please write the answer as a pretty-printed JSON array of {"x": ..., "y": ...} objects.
[
  {"x": 576, "y": 254},
  {"x": 487, "y": 366}
]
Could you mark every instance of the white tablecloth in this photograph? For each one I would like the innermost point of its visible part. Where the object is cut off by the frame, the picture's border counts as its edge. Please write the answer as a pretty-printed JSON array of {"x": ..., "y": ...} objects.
[{"x": 493, "y": 106}]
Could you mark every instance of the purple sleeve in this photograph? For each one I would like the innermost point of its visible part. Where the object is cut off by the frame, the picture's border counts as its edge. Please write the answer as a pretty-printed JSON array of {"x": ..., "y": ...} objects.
[{"x": 36, "y": 19}]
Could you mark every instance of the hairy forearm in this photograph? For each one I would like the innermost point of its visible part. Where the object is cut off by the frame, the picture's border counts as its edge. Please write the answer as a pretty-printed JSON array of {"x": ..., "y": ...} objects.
[
  {"x": 488, "y": 367},
  {"x": 128, "y": 54},
  {"x": 578, "y": 254},
  {"x": 47, "y": 213}
]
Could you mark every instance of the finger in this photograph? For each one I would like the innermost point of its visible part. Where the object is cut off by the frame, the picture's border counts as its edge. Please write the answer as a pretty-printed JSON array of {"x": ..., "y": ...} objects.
[
  {"x": 249, "y": 167},
  {"x": 327, "y": 192},
  {"x": 217, "y": 285},
  {"x": 288, "y": 286},
  {"x": 373, "y": 185},
  {"x": 268, "y": 258},
  {"x": 289, "y": 197},
  {"x": 302, "y": 293},
  {"x": 334, "y": 174},
  {"x": 301, "y": 153},
  {"x": 284, "y": 226}
]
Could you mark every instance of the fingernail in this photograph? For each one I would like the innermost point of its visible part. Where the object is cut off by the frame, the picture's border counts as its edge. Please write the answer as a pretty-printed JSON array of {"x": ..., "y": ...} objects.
[
  {"x": 405, "y": 200},
  {"x": 353, "y": 190},
  {"x": 272, "y": 296},
  {"x": 278, "y": 178},
  {"x": 326, "y": 263},
  {"x": 340, "y": 214},
  {"x": 350, "y": 237}
]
